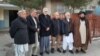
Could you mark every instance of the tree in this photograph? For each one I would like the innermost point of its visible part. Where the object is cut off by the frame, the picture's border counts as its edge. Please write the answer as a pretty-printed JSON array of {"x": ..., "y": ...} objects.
[
  {"x": 98, "y": 2},
  {"x": 28, "y": 3},
  {"x": 76, "y": 3}
]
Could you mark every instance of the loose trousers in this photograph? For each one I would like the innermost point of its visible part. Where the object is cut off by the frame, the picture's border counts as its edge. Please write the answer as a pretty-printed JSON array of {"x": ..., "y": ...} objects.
[
  {"x": 44, "y": 43},
  {"x": 21, "y": 50},
  {"x": 33, "y": 49},
  {"x": 68, "y": 42},
  {"x": 56, "y": 41}
]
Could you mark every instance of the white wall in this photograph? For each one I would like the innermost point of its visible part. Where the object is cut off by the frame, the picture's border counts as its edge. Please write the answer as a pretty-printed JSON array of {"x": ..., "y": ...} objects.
[
  {"x": 55, "y": 6},
  {"x": 6, "y": 18},
  {"x": 48, "y": 5},
  {"x": 52, "y": 6},
  {"x": 1, "y": 14}
]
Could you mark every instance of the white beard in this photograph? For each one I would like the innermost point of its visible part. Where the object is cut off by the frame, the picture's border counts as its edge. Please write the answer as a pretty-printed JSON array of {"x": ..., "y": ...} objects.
[{"x": 68, "y": 19}]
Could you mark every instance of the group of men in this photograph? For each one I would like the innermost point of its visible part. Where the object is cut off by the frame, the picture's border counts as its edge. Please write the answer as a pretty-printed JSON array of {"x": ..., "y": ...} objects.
[{"x": 41, "y": 34}]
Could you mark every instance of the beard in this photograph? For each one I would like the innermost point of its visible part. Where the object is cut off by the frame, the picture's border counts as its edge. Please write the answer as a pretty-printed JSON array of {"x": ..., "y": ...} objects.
[
  {"x": 82, "y": 18},
  {"x": 68, "y": 17}
]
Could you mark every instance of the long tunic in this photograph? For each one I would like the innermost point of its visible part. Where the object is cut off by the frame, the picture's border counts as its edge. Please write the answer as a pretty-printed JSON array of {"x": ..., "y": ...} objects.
[
  {"x": 36, "y": 33},
  {"x": 82, "y": 30}
]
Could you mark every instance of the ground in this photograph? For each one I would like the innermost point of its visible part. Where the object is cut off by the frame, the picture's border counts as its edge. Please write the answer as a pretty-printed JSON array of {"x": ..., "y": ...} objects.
[{"x": 6, "y": 47}]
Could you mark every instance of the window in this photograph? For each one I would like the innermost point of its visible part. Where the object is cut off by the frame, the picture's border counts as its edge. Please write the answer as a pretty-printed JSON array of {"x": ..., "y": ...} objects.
[{"x": 60, "y": 8}]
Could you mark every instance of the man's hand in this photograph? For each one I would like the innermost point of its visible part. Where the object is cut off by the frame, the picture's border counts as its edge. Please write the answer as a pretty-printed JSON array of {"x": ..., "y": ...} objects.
[
  {"x": 38, "y": 29},
  {"x": 48, "y": 29}
]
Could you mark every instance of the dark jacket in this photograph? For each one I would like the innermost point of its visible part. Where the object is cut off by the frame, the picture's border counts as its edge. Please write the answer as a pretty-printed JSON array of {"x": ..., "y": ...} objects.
[
  {"x": 18, "y": 31},
  {"x": 45, "y": 22},
  {"x": 55, "y": 30},
  {"x": 32, "y": 29},
  {"x": 67, "y": 27},
  {"x": 61, "y": 22}
]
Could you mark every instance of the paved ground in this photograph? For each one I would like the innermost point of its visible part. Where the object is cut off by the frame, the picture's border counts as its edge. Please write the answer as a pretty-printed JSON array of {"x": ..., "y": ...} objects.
[{"x": 6, "y": 47}]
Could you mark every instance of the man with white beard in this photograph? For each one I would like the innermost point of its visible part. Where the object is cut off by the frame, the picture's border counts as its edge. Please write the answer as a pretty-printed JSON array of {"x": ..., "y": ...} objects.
[{"x": 67, "y": 33}]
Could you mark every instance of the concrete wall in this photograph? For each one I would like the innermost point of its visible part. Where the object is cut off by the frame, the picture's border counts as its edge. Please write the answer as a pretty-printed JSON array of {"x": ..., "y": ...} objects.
[
  {"x": 54, "y": 6},
  {"x": 1, "y": 14},
  {"x": 58, "y": 6},
  {"x": 1, "y": 18},
  {"x": 4, "y": 18},
  {"x": 48, "y": 5}
]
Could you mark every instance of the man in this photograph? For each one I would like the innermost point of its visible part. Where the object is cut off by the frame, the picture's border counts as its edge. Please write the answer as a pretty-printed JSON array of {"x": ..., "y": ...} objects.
[
  {"x": 81, "y": 33},
  {"x": 45, "y": 24},
  {"x": 67, "y": 33},
  {"x": 19, "y": 33},
  {"x": 55, "y": 32},
  {"x": 33, "y": 30}
]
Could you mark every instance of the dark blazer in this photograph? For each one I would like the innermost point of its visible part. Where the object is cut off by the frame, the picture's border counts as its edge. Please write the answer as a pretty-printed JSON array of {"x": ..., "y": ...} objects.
[
  {"x": 45, "y": 21},
  {"x": 61, "y": 22},
  {"x": 67, "y": 27},
  {"x": 31, "y": 29},
  {"x": 18, "y": 31},
  {"x": 55, "y": 30}
]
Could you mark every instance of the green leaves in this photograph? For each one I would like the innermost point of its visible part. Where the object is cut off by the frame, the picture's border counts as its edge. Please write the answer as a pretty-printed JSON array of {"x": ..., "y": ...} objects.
[
  {"x": 76, "y": 3},
  {"x": 98, "y": 2},
  {"x": 28, "y": 3}
]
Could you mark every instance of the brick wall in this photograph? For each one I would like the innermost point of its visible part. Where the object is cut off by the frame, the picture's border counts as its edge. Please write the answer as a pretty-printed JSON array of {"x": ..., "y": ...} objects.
[{"x": 94, "y": 24}]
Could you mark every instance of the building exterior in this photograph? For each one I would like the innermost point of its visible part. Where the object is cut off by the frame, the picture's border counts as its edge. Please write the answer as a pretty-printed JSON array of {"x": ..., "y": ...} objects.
[
  {"x": 57, "y": 5},
  {"x": 8, "y": 12}
]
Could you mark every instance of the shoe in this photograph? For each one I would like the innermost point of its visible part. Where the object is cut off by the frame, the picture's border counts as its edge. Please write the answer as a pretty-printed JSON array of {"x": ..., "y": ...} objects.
[
  {"x": 59, "y": 50},
  {"x": 64, "y": 51},
  {"x": 77, "y": 51},
  {"x": 41, "y": 54},
  {"x": 52, "y": 50},
  {"x": 34, "y": 55},
  {"x": 83, "y": 51},
  {"x": 71, "y": 51},
  {"x": 47, "y": 52}
]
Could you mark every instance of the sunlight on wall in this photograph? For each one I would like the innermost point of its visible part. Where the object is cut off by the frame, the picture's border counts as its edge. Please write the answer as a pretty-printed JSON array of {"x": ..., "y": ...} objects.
[{"x": 1, "y": 14}]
